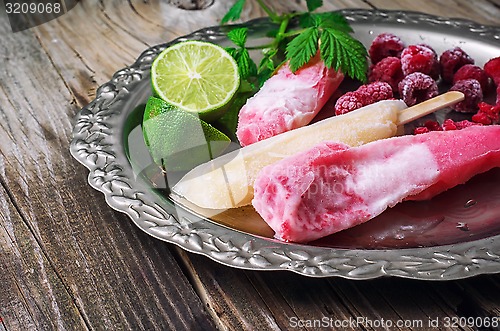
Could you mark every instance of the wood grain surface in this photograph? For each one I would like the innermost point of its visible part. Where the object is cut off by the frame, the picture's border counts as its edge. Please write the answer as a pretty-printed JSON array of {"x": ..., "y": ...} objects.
[{"x": 69, "y": 262}]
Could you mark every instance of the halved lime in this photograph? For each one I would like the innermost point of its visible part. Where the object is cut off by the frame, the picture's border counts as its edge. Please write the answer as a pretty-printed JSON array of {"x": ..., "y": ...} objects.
[
  {"x": 178, "y": 140},
  {"x": 196, "y": 76}
]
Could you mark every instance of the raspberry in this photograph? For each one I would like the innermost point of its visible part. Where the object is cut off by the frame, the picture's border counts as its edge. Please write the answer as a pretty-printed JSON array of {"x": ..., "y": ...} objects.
[
  {"x": 376, "y": 91},
  {"x": 492, "y": 69},
  {"x": 348, "y": 102},
  {"x": 428, "y": 127},
  {"x": 448, "y": 125},
  {"x": 470, "y": 71},
  {"x": 420, "y": 130},
  {"x": 473, "y": 95},
  {"x": 384, "y": 45},
  {"x": 464, "y": 124},
  {"x": 451, "y": 60},
  {"x": 487, "y": 114},
  {"x": 363, "y": 96},
  {"x": 387, "y": 70},
  {"x": 481, "y": 118},
  {"x": 420, "y": 58},
  {"x": 417, "y": 87},
  {"x": 433, "y": 126}
]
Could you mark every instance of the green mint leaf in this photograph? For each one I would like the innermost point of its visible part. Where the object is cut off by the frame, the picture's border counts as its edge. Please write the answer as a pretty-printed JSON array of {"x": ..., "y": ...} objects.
[
  {"x": 265, "y": 64},
  {"x": 234, "y": 13},
  {"x": 246, "y": 65},
  {"x": 302, "y": 48},
  {"x": 331, "y": 20},
  {"x": 312, "y": 5},
  {"x": 264, "y": 75},
  {"x": 306, "y": 20},
  {"x": 341, "y": 51},
  {"x": 238, "y": 36},
  {"x": 232, "y": 51}
]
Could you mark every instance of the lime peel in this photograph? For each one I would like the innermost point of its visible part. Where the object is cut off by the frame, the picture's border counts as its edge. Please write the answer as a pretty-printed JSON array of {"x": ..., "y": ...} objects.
[
  {"x": 178, "y": 140},
  {"x": 196, "y": 76}
]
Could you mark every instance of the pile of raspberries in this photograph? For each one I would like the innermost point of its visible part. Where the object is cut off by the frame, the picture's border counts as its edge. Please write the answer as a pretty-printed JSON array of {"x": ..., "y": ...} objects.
[{"x": 412, "y": 73}]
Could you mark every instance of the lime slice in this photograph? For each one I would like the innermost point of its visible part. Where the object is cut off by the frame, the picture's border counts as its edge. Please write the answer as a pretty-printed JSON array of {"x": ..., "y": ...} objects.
[
  {"x": 178, "y": 140},
  {"x": 196, "y": 76}
]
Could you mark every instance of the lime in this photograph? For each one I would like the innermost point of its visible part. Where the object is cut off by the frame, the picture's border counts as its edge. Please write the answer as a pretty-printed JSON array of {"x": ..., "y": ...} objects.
[
  {"x": 178, "y": 140},
  {"x": 196, "y": 76}
]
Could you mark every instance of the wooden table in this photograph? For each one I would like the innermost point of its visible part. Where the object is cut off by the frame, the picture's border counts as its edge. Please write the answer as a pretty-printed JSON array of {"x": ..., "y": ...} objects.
[{"x": 68, "y": 261}]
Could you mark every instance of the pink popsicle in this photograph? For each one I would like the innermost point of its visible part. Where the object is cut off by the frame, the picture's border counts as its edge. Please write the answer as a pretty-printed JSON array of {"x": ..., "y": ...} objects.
[
  {"x": 332, "y": 187},
  {"x": 287, "y": 101}
]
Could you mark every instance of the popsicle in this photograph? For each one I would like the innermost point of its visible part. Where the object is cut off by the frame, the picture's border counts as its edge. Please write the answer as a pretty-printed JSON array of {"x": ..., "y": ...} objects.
[
  {"x": 332, "y": 187},
  {"x": 287, "y": 101},
  {"x": 227, "y": 181}
]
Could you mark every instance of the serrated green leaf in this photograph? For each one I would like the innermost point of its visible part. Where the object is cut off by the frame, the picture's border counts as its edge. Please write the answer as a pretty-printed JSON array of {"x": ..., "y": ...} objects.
[
  {"x": 312, "y": 5},
  {"x": 231, "y": 51},
  {"x": 341, "y": 51},
  {"x": 234, "y": 13},
  {"x": 265, "y": 64},
  {"x": 246, "y": 66},
  {"x": 331, "y": 20},
  {"x": 263, "y": 76},
  {"x": 302, "y": 48},
  {"x": 238, "y": 36},
  {"x": 306, "y": 20}
]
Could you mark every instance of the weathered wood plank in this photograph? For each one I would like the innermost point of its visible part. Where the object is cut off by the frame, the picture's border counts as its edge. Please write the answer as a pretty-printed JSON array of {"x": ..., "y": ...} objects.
[
  {"x": 97, "y": 267},
  {"x": 23, "y": 264}
]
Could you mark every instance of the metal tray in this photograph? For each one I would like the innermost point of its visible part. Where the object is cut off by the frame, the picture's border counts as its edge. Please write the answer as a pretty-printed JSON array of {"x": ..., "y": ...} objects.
[{"x": 107, "y": 139}]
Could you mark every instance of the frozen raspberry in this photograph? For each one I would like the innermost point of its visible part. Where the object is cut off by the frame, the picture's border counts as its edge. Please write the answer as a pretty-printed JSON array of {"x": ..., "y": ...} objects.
[
  {"x": 387, "y": 70},
  {"x": 465, "y": 124},
  {"x": 448, "y": 125},
  {"x": 348, "y": 102},
  {"x": 376, "y": 91},
  {"x": 481, "y": 118},
  {"x": 492, "y": 69},
  {"x": 428, "y": 127},
  {"x": 470, "y": 71},
  {"x": 433, "y": 126},
  {"x": 487, "y": 114},
  {"x": 473, "y": 95},
  {"x": 420, "y": 130},
  {"x": 417, "y": 87},
  {"x": 452, "y": 60},
  {"x": 384, "y": 45},
  {"x": 419, "y": 58},
  {"x": 363, "y": 96}
]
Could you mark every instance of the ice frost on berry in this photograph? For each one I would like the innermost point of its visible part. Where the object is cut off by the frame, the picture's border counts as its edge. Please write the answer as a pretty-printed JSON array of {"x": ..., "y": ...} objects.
[
  {"x": 451, "y": 60},
  {"x": 363, "y": 96},
  {"x": 420, "y": 58},
  {"x": 385, "y": 45},
  {"x": 473, "y": 95},
  {"x": 417, "y": 87},
  {"x": 387, "y": 70}
]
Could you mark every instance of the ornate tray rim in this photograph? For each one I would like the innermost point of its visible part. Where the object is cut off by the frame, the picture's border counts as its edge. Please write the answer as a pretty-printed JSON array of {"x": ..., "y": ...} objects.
[{"x": 98, "y": 144}]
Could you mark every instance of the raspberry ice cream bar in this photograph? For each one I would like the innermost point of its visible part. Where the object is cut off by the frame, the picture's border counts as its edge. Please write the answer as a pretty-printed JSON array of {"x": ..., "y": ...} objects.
[
  {"x": 227, "y": 181},
  {"x": 287, "y": 101},
  {"x": 332, "y": 187}
]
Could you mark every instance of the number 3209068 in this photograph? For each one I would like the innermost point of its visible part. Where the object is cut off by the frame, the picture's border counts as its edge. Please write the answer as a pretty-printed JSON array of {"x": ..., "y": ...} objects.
[{"x": 32, "y": 8}]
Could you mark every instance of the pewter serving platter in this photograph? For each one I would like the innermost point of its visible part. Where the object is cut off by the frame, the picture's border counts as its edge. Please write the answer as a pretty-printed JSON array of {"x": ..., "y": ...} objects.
[{"x": 456, "y": 235}]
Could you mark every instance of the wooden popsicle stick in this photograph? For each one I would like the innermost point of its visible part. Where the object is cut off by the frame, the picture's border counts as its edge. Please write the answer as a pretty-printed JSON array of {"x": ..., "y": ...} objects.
[{"x": 429, "y": 106}]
